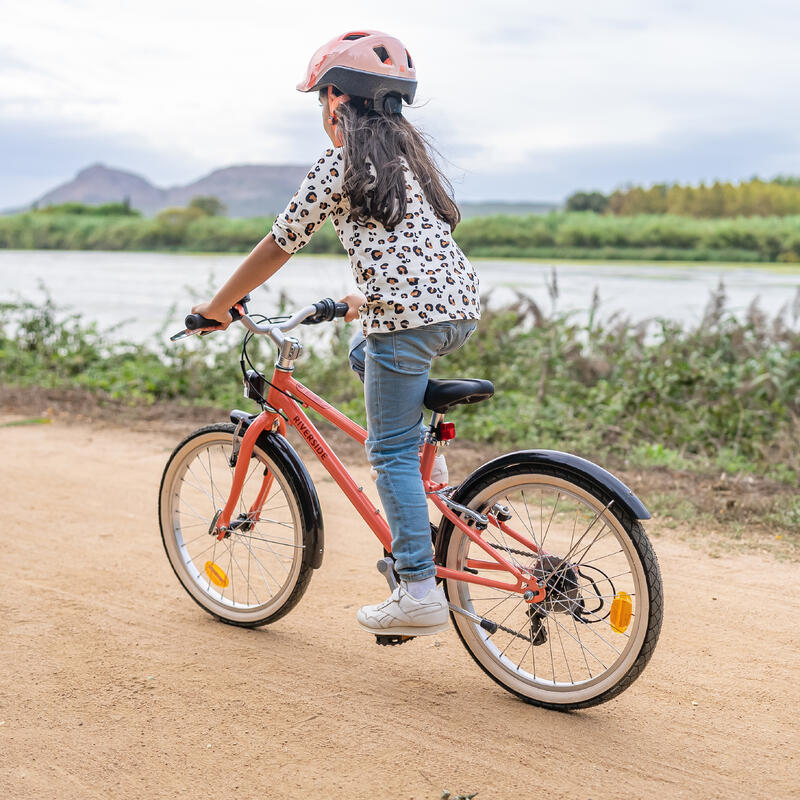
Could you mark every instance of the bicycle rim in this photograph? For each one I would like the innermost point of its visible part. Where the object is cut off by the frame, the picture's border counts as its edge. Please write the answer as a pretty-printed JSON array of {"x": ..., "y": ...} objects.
[
  {"x": 563, "y": 652},
  {"x": 247, "y": 577}
]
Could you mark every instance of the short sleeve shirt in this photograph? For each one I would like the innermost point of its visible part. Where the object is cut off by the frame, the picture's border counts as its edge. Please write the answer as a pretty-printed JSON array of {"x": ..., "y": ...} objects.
[{"x": 412, "y": 276}]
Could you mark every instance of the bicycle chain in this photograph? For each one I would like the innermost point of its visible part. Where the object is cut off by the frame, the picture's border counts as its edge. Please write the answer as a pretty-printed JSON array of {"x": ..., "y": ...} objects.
[
  {"x": 514, "y": 633},
  {"x": 527, "y": 553}
]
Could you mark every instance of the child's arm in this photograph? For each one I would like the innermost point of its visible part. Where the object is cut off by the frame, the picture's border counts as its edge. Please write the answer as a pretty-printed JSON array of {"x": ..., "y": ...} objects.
[
  {"x": 263, "y": 262},
  {"x": 320, "y": 194}
]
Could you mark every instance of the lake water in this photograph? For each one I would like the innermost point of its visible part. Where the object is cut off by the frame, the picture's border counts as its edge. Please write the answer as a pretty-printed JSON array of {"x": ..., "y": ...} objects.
[{"x": 147, "y": 291}]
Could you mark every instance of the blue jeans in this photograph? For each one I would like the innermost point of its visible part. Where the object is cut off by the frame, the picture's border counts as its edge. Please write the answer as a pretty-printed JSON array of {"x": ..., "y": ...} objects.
[{"x": 394, "y": 368}]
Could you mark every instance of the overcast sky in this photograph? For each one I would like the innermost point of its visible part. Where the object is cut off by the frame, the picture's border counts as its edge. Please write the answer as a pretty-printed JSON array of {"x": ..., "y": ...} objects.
[{"x": 527, "y": 100}]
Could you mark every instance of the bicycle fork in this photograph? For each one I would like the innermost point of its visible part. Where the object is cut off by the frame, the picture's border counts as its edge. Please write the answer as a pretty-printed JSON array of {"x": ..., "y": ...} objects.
[{"x": 243, "y": 446}]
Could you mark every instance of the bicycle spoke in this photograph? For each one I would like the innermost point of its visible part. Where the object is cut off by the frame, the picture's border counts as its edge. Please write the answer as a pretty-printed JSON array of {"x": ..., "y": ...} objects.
[
  {"x": 583, "y": 653},
  {"x": 564, "y": 653},
  {"x": 271, "y": 541},
  {"x": 230, "y": 546},
  {"x": 528, "y": 529},
  {"x": 198, "y": 487},
  {"x": 550, "y": 645},
  {"x": 264, "y": 570},
  {"x": 550, "y": 521}
]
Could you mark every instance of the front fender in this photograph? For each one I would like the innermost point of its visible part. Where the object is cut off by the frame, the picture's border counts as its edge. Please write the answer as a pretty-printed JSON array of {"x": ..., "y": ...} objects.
[
  {"x": 275, "y": 444},
  {"x": 279, "y": 448},
  {"x": 610, "y": 484}
]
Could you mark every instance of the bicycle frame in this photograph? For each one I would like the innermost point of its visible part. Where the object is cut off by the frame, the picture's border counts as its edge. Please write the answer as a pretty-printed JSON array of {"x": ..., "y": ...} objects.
[{"x": 288, "y": 396}]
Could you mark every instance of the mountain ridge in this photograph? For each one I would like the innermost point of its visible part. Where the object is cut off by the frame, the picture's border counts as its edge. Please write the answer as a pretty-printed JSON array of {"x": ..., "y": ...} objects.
[{"x": 247, "y": 190}]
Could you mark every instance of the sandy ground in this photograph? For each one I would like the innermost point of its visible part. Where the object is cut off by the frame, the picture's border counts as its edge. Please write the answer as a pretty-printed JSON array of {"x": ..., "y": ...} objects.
[{"x": 114, "y": 684}]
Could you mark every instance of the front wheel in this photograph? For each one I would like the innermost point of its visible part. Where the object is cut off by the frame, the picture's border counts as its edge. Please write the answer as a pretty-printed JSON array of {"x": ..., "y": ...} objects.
[
  {"x": 261, "y": 569},
  {"x": 597, "y": 627}
]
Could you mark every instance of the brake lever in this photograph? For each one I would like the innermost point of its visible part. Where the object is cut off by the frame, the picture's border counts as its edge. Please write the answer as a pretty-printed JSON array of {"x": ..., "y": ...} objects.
[{"x": 185, "y": 334}]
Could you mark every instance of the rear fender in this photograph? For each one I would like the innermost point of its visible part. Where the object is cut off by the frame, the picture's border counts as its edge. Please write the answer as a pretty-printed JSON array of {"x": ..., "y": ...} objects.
[{"x": 610, "y": 486}]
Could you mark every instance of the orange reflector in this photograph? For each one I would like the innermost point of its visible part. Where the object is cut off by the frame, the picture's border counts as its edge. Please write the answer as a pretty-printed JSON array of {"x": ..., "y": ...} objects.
[
  {"x": 621, "y": 611},
  {"x": 218, "y": 577}
]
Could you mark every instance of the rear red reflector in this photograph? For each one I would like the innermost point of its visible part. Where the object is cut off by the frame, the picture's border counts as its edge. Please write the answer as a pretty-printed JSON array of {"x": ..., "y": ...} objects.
[{"x": 447, "y": 430}]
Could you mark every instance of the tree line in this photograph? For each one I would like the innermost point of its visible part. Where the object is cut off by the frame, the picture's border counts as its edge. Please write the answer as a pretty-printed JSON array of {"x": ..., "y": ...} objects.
[{"x": 779, "y": 197}]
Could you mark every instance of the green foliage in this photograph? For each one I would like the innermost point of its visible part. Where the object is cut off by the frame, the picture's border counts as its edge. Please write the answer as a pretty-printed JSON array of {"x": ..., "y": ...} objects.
[
  {"x": 724, "y": 394},
  {"x": 646, "y": 237},
  {"x": 172, "y": 229},
  {"x": 755, "y": 198},
  {"x": 211, "y": 206},
  {"x": 122, "y": 209},
  {"x": 585, "y": 234},
  {"x": 587, "y": 201}
]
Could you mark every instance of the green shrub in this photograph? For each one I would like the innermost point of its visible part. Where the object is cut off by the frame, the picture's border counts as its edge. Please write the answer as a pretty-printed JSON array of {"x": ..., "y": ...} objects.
[{"x": 723, "y": 394}]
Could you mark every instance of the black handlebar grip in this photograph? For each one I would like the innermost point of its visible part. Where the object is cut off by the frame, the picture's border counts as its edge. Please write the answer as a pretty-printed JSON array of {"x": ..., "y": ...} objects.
[
  {"x": 326, "y": 311},
  {"x": 195, "y": 321}
]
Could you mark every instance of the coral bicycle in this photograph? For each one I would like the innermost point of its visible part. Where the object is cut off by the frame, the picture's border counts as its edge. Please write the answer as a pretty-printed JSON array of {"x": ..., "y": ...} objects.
[{"x": 553, "y": 586}]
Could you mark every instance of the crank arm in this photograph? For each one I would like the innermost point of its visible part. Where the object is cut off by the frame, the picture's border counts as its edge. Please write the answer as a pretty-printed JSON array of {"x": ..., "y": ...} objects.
[{"x": 486, "y": 624}]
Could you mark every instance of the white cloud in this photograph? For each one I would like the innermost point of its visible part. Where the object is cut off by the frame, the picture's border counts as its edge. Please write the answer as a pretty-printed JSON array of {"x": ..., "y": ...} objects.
[{"x": 203, "y": 84}]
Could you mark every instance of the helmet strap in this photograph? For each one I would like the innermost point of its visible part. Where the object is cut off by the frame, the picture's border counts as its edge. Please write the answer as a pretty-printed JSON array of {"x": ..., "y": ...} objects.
[{"x": 334, "y": 101}]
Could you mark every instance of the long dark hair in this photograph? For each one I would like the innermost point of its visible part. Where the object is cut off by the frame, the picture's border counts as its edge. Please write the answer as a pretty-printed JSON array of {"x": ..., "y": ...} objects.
[{"x": 382, "y": 139}]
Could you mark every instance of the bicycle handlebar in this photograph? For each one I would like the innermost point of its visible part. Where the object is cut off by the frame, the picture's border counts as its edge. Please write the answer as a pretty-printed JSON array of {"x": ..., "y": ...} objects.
[{"x": 322, "y": 311}]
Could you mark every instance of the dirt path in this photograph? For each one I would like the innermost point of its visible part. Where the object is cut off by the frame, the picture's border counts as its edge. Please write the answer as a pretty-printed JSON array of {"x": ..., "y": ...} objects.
[{"x": 113, "y": 683}]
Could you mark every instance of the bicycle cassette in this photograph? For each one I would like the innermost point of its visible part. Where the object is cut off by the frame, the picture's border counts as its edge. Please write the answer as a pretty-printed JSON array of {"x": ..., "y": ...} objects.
[{"x": 392, "y": 640}]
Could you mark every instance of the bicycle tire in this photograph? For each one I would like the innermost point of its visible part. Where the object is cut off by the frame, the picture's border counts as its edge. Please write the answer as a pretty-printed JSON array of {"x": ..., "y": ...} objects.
[
  {"x": 280, "y": 543},
  {"x": 560, "y": 690}
]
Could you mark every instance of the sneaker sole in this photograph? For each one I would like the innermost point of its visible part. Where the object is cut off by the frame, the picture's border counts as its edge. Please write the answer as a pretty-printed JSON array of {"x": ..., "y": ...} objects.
[{"x": 406, "y": 630}]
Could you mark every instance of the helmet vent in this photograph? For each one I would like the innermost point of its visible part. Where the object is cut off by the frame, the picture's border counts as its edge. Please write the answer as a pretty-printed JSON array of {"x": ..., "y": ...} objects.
[
  {"x": 351, "y": 37},
  {"x": 383, "y": 54}
]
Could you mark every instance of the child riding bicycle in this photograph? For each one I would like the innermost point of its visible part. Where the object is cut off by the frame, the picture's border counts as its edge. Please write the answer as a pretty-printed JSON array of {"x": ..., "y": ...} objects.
[{"x": 418, "y": 298}]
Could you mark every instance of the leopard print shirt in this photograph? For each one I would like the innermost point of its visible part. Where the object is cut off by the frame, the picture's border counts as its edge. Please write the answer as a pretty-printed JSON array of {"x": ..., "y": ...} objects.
[{"x": 412, "y": 276}]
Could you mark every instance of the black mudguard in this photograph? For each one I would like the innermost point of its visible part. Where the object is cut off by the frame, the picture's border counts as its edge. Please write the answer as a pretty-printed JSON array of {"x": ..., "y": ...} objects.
[
  {"x": 281, "y": 450},
  {"x": 566, "y": 461}
]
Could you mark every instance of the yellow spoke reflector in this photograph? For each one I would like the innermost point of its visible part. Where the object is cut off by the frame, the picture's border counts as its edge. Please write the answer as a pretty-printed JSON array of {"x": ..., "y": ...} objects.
[
  {"x": 218, "y": 577},
  {"x": 621, "y": 611}
]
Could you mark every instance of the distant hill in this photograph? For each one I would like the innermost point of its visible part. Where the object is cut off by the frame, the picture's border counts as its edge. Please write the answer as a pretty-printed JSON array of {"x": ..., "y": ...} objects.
[{"x": 247, "y": 190}]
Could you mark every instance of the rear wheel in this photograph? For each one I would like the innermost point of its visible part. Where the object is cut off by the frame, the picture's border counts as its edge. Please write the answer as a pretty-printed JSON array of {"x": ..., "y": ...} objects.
[
  {"x": 595, "y": 631},
  {"x": 259, "y": 571}
]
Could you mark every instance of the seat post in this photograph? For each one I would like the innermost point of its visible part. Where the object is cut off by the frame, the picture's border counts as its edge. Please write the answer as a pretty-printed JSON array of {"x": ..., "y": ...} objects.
[
  {"x": 436, "y": 418},
  {"x": 429, "y": 446}
]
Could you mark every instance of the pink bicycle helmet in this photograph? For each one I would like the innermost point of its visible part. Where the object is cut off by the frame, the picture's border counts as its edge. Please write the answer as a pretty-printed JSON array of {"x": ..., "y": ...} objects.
[{"x": 364, "y": 63}]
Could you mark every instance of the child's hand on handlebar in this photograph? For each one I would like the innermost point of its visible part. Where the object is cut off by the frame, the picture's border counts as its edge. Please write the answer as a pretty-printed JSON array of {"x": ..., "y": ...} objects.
[
  {"x": 221, "y": 315},
  {"x": 354, "y": 301}
]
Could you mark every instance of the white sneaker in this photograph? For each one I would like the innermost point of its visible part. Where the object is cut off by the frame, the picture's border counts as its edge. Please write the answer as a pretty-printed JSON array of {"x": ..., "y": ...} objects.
[{"x": 403, "y": 615}]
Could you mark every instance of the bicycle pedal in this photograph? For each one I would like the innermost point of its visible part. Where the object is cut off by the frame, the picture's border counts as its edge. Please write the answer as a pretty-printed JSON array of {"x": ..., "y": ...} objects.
[{"x": 386, "y": 641}]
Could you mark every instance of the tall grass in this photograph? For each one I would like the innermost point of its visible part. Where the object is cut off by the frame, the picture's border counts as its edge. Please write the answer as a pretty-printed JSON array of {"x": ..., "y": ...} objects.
[
  {"x": 724, "y": 394},
  {"x": 564, "y": 235}
]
